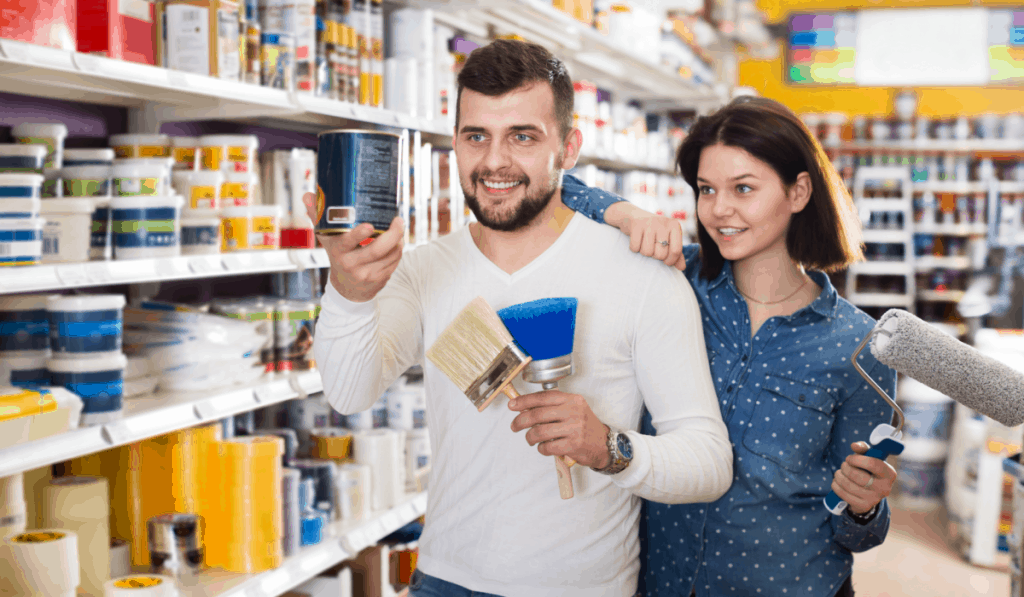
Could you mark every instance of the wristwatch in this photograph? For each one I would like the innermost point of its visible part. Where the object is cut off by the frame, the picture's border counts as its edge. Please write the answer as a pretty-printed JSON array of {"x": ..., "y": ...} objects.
[
  {"x": 865, "y": 518},
  {"x": 621, "y": 451}
]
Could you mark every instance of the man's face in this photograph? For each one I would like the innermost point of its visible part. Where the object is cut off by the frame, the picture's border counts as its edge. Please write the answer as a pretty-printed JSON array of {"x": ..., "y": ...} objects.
[{"x": 510, "y": 155}]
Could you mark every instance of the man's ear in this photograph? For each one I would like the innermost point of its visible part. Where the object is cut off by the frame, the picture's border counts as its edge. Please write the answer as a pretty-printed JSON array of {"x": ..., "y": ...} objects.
[{"x": 571, "y": 149}]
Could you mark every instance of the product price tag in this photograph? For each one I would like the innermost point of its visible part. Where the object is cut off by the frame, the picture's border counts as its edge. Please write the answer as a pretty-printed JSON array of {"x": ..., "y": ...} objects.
[
  {"x": 237, "y": 261},
  {"x": 177, "y": 80},
  {"x": 315, "y": 562},
  {"x": 274, "y": 583},
  {"x": 99, "y": 272},
  {"x": 304, "y": 258},
  {"x": 175, "y": 267},
  {"x": 28, "y": 278},
  {"x": 392, "y": 520},
  {"x": 14, "y": 51},
  {"x": 86, "y": 62},
  {"x": 356, "y": 541},
  {"x": 206, "y": 264},
  {"x": 320, "y": 258},
  {"x": 133, "y": 270},
  {"x": 72, "y": 274},
  {"x": 263, "y": 394},
  {"x": 205, "y": 410},
  {"x": 408, "y": 512}
]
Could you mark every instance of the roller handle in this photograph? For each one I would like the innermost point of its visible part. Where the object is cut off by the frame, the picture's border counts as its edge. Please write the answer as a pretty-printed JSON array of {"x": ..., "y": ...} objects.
[
  {"x": 562, "y": 463},
  {"x": 884, "y": 445}
]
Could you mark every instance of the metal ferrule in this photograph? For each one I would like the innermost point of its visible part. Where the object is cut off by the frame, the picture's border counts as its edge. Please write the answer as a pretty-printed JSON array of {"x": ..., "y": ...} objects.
[
  {"x": 500, "y": 371},
  {"x": 897, "y": 412},
  {"x": 549, "y": 371}
]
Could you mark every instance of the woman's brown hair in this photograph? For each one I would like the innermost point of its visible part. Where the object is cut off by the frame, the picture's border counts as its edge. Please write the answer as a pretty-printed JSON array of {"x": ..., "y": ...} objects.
[{"x": 826, "y": 234}]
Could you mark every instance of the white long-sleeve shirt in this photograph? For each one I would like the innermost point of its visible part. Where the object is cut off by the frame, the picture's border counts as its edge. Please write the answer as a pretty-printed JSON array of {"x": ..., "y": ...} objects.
[{"x": 495, "y": 521}]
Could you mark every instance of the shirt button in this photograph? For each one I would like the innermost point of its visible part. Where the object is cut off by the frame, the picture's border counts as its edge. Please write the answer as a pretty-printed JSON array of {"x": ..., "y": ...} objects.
[
  {"x": 743, "y": 358},
  {"x": 729, "y": 389},
  {"x": 802, "y": 398}
]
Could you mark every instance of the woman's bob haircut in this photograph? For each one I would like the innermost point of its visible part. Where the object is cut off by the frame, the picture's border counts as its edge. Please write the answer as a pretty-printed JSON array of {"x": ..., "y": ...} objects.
[{"x": 826, "y": 234}]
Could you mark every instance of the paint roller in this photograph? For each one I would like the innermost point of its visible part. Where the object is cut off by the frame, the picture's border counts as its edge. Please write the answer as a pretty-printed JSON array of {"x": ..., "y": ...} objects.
[
  {"x": 545, "y": 329},
  {"x": 916, "y": 349}
]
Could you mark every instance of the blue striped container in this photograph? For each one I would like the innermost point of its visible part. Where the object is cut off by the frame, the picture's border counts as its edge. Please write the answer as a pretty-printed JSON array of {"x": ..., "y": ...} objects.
[
  {"x": 88, "y": 157},
  {"x": 100, "y": 244},
  {"x": 19, "y": 195},
  {"x": 25, "y": 369},
  {"x": 24, "y": 324},
  {"x": 18, "y": 157},
  {"x": 21, "y": 241},
  {"x": 144, "y": 227},
  {"x": 98, "y": 381},
  {"x": 86, "y": 326}
]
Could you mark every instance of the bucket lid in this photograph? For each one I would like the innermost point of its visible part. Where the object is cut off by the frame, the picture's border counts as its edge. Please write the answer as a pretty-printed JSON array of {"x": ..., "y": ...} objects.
[
  {"x": 85, "y": 172},
  {"x": 20, "y": 360},
  {"x": 140, "y": 139},
  {"x": 18, "y": 179},
  {"x": 146, "y": 201},
  {"x": 22, "y": 223},
  {"x": 184, "y": 141},
  {"x": 236, "y": 212},
  {"x": 105, "y": 154},
  {"x": 222, "y": 140},
  {"x": 272, "y": 211},
  {"x": 26, "y": 129},
  {"x": 24, "y": 302},
  {"x": 108, "y": 362},
  {"x": 94, "y": 302},
  {"x": 68, "y": 205},
  {"x": 23, "y": 149}
]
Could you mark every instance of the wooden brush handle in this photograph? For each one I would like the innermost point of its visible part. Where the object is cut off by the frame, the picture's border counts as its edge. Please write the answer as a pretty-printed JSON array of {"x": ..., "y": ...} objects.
[
  {"x": 512, "y": 394},
  {"x": 564, "y": 477}
]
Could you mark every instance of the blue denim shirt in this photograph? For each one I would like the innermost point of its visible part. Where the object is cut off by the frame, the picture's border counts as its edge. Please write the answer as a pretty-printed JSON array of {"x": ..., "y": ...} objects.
[{"x": 793, "y": 404}]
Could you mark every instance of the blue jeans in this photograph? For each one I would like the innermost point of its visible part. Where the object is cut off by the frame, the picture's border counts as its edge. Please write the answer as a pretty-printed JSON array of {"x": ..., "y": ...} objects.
[{"x": 424, "y": 585}]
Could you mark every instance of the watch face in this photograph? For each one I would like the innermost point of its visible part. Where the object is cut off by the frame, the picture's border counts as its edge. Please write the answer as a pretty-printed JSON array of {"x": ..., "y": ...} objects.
[{"x": 625, "y": 446}]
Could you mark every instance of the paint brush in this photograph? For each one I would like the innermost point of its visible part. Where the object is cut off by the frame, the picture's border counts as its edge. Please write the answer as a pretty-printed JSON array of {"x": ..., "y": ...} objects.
[
  {"x": 546, "y": 329},
  {"x": 478, "y": 354}
]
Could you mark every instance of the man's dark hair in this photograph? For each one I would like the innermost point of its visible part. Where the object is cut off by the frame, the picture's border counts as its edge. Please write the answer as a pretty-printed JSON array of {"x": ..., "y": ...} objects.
[{"x": 506, "y": 65}]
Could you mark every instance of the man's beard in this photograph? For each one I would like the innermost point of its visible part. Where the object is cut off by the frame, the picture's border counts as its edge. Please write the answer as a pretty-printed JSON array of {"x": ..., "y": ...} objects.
[{"x": 522, "y": 215}]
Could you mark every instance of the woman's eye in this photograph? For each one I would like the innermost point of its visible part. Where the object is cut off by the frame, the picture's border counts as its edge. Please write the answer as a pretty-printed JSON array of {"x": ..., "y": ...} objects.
[
  {"x": 742, "y": 188},
  {"x": 706, "y": 190}
]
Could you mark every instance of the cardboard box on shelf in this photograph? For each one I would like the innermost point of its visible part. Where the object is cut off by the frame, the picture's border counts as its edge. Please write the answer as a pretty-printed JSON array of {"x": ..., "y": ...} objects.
[
  {"x": 122, "y": 29},
  {"x": 200, "y": 36},
  {"x": 44, "y": 22}
]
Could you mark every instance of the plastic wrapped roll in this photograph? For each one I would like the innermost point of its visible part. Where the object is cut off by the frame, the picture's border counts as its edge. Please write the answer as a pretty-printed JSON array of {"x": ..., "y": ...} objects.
[
  {"x": 82, "y": 505},
  {"x": 141, "y": 585},
  {"x": 291, "y": 442},
  {"x": 354, "y": 492},
  {"x": 417, "y": 452},
  {"x": 379, "y": 449},
  {"x": 12, "y": 505},
  {"x": 291, "y": 508},
  {"x": 34, "y": 480},
  {"x": 244, "y": 529},
  {"x": 45, "y": 562},
  {"x": 324, "y": 474},
  {"x": 120, "y": 558},
  {"x": 175, "y": 544},
  {"x": 331, "y": 443}
]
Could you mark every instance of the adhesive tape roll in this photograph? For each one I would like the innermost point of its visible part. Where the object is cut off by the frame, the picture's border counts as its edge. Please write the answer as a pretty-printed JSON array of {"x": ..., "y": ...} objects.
[
  {"x": 45, "y": 562},
  {"x": 120, "y": 558},
  {"x": 331, "y": 443},
  {"x": 376, "y": 449},
  {"x": 141, "y": 585},
  {"x": 175, "y": 544},
  {"x": 244, "y": 530},
  {"x": 291, "y": 510},
  {"x": 354, "y": 492},
  {"x": 12, "y": 504},
  {"x": 82, "y": 505}
]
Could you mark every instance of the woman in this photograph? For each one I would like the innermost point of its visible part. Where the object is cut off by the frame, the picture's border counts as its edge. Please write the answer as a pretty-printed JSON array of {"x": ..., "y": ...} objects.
[{"x": 779, "y": 340}]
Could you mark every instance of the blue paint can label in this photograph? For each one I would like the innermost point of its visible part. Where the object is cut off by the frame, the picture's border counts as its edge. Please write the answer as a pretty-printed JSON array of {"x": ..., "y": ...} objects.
[
  {"x": 85, "y": 331},
  {"x": 24, "y": 330},
  {"x": 100, "y": 391},
  {"x": 357, "y": 180}
]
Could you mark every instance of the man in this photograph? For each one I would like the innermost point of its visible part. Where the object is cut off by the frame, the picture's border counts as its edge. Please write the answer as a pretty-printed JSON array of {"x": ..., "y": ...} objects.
[{"x": 495, "y": 521}]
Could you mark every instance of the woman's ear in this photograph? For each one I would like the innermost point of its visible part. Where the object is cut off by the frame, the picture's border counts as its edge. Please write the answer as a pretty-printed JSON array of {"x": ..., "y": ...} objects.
[{"x": 800, "y": 192}]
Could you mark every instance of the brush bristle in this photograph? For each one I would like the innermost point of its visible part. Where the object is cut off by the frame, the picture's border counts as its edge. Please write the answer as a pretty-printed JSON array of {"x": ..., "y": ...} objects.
[
  {"x": 470, "y": 343},
  {"x": 544, "y": 328}
]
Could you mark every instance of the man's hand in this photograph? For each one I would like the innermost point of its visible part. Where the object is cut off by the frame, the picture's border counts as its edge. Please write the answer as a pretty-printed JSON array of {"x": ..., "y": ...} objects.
[
  {"x": 358, "y": 273},
  {"x": 647, "y": 232},
  {"x": 563, "y": 425}
]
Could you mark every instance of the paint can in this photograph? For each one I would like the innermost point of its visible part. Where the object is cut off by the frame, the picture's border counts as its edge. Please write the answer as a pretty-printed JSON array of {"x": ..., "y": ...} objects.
[{"x": 357, "y": 180}]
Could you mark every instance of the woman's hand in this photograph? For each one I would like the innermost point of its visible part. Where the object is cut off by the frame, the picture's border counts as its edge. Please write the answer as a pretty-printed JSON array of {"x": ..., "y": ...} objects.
[
  {"x": 654, "y": 236},
  {"x": 863, "y": 481}
]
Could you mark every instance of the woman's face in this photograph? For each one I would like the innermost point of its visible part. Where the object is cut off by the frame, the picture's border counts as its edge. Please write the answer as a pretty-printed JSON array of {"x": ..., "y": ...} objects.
[{"x": 743, "y": 203}]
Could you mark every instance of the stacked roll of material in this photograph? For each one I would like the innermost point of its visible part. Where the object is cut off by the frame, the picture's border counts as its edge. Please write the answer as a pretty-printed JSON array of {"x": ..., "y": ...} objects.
[
  {"x": 82, "y": 505},
  {"x": 291, "y": 442},
  {"x": 45, "y": 562},
  {"x": 291, "y": 508},
  {"x": 244, "y": 529},
  {"x": 175, "y": 544},
  {"x": 120, "y": 558},
  {"x": 383, "y": 450},
  {"x": 12, "y": 522},
  {"x": 331, "y": 443},
  {"x": 141, "y": 585},
  {"x": 417, "y": 452},
  {"x": 324, "y": 474},
  {"x": 354, "y": 491},
  {"x": 34, "y": 481}
]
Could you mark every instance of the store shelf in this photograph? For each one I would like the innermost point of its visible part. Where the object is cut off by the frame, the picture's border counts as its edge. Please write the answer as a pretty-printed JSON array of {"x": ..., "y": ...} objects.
[
  {"x": 952, "y": 296},
  {"x": 343, "y": 540},
  {"x": 885, "y": 236},
  {"x": 133, "y": 271},
  {"x": 157, "y": 414},
  {"x": 880, "y": 299},
  {"x": 610, "y": 162},
  {"x": 932, "y": 262},
  {"x": 884, "y": 268},
  {"x": 937, "y": 145},
  {"x": 951, "y": 229},
  {"x": 869, "y": 204},
  {"x": 951, "y": 186},
  {"x": 179, "y": 96}
]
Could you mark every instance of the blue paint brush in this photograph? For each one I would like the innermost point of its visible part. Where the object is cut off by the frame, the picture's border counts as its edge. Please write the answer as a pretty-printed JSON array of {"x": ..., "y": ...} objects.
[{"x": 545, "y": 329}]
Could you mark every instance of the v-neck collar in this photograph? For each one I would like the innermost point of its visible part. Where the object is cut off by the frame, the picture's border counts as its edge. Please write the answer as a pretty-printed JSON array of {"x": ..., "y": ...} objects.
[{"x": 539, "y": 261}]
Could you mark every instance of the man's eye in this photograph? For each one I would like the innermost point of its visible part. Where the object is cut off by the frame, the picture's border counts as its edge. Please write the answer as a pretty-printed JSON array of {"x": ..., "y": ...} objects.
[
  {"x": 477, "y": 138},
  {"x": 522, "y": 137}
]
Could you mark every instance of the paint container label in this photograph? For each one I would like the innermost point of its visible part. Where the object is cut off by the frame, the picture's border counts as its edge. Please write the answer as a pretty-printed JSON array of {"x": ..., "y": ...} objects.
[
  {"x": 100, "y": 391},
  {"x": 29, "y": 378},
  {"x": 234, "y": 234},
  {"x": 235, "y": 194},
  {"x": 278, "y": 60},
  {"x": 20, "y": 247},
  {"x": 24, "y": 330},
  {"x": 17, "y": 163},
  {"x": 136, "y": 186},
  {"x": 154, "y": 227},
  {"x": 357, "y": 180},
  {"x": 203, "y": 197},
  {"x": 51, "y": 145},
  {"x": 229, "y": 61},
  {"x": 100, "y": 237},
  {"x": 264, "y": 233},
  {"x": 85, "y": 331},
  {"x": 141, "y": 151},
  {"x": 184, "y": 158},
  {"x": 39, "y": 537},
  {"x": 138, "y": 582},
  {"x": 80, "y": 187},
  {"x": 293, "y": 340},
  {"x": 200, "y": 236},
  {"x": 27, "y": 192}
]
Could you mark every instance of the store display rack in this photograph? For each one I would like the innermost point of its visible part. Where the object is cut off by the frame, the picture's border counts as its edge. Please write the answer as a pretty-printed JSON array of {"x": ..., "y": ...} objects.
[
  {"x": 157, "y": 414},
  {"x": 343, "y": 540}
]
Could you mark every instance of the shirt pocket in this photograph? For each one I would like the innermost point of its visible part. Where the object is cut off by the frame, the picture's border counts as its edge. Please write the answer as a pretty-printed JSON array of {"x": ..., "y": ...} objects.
[{"x": 792, "y": 422}]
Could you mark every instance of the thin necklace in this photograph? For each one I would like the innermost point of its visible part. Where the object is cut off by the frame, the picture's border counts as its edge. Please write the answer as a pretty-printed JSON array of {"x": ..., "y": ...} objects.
[{"x": 774, "y": 302}]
